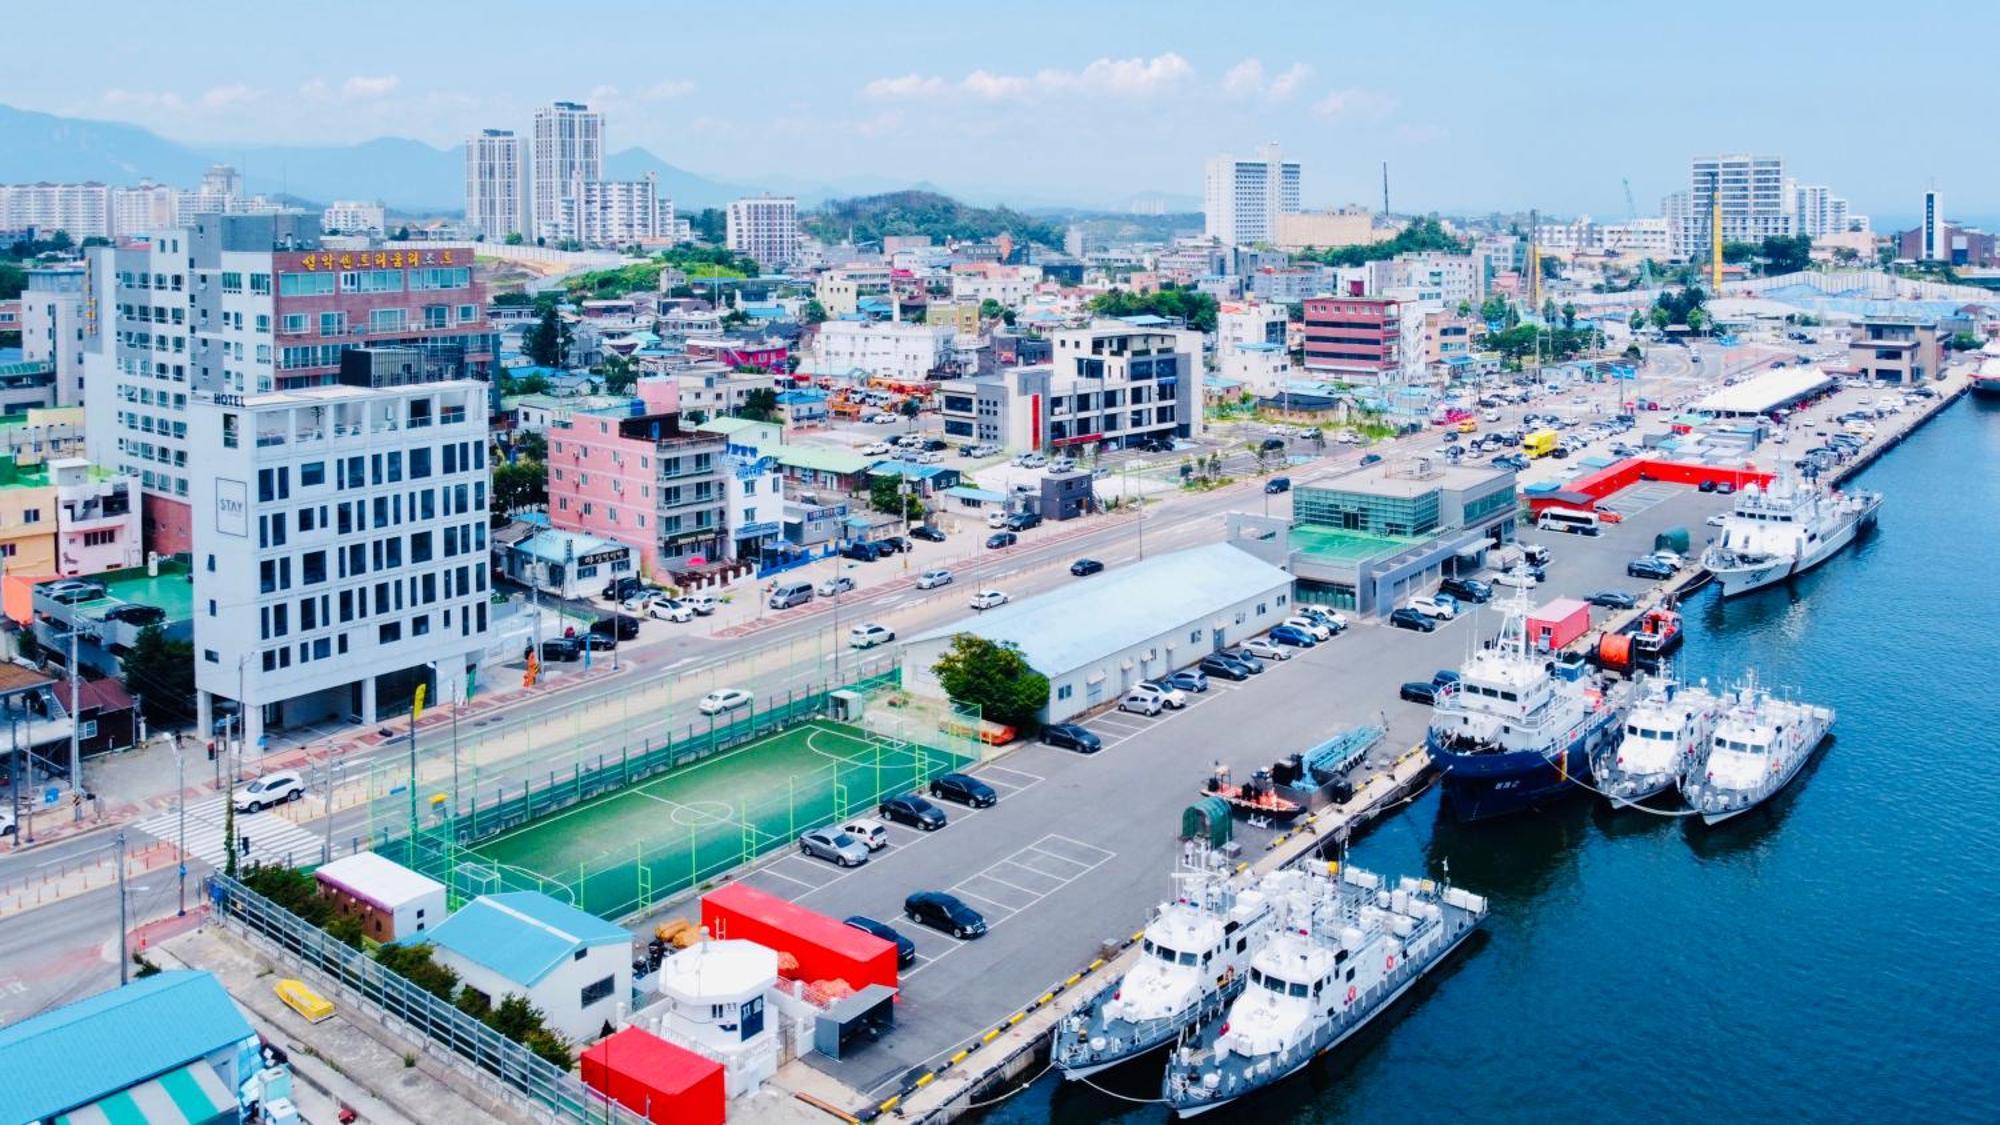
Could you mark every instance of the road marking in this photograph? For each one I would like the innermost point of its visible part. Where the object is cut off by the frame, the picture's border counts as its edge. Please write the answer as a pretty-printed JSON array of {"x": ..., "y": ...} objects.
[{"x": 776, "y": 874}]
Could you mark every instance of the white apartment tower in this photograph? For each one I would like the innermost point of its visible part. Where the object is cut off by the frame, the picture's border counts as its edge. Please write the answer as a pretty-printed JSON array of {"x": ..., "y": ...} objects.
[
  {"x": 354, "y": 216},
  {"x": 765, "y": 230},
  {"x": 617, "y": 212},
  {"x": 340, "y": 552},
  {"x": 493, "y": 184},
  {"x": 569, "y": 150},
  {"x": 1242, "y": 199},
  {"x": 1751, "y": 190},
  {"x": 1819, "y": 211},
  {"x": 52, "y": 327}
]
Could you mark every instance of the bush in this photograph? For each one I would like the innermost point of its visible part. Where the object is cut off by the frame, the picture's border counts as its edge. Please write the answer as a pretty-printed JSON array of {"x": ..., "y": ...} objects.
[
  {"x": 292, "y": 889},
  {"x": 413, "y": 963},
  {"x": 550, "y": 1047}
]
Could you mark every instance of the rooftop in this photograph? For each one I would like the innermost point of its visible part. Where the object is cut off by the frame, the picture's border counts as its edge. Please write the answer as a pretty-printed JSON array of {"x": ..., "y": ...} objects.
[
  {"x": 554, "y": 545},
  {"x": 1333, "y": 545},
  {"x": 1773, "y": 388},
  {"x": 378, "y": 879},
  {"x": 1396, "y": 479},
  {"x": 172, "y": 590},
  {"x": 1074, "y": 625},
  {"x": 522, "y": 935},
  {"x": 822, "y": 460}
]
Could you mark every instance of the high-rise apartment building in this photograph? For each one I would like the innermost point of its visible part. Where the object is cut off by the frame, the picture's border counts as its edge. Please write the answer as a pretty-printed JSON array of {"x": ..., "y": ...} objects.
[
  {"x": 1755, "y": 204},
  {"x": 1819, "y": 211},
  {"x": 568, "y": 150},
  {"x": 1242, "y": 199},
  {"x": 223, "y": 180},
  {"x": 353, "y": 216},
  {"x": 493, "y": 184},
  {"x": 765, "y": 230},
  {"x": 142, "y": 209},
  {"x": 616, "y": 212},
  {"x": 52, "y": 327},
  {"x": 81, "y": 210}
]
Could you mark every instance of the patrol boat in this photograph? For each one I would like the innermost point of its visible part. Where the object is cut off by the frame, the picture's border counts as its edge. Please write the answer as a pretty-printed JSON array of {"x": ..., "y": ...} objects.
[
  {"x": 1520, "y": 725},
  {"x": 1760, "y": 743},
  {"x": 1667, "y": 729},
  {"x": 1346, "y": 949},
  {"x": 1784, "y": 528},
  {"x": 1195, "y": 954}
]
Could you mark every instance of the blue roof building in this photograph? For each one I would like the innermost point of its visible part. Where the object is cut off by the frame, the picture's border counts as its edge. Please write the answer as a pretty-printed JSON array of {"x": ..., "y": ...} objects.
[
  {"x": 573, "y": 965},
  {"x": 170, "y": 1047}
]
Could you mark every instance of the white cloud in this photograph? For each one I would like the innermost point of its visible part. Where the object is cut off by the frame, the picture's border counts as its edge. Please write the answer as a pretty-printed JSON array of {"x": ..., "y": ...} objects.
[
  {"x": 1287, "y": 84},
  {"x": 221, "y": 97},
  {"x": 1127, "y": 78},
  {"x": 668, "y": 89},
  {"x": 1355, "y": 104},
  {"x": 1244, "y": 79},
  {"x": 366, "y": 86},
  {"x": 1123, "y": 77},
  {"x": 1247, "y": 80},
  {"x": 995, "y": 87},
  {"x": 906, "y": 86},
  {"x": 143, "y": 99}
]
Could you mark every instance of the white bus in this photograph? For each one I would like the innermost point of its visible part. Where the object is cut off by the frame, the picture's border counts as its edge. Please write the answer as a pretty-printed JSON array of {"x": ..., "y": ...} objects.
[{"x": 1570, "y": 520}]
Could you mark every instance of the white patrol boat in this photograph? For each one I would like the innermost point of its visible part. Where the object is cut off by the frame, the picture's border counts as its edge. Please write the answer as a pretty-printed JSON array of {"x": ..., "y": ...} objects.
[
  {"x": 1760, "y": 743},
  {"x": 1666, "y": 731},
  {"x": 1785, "y": 528}
]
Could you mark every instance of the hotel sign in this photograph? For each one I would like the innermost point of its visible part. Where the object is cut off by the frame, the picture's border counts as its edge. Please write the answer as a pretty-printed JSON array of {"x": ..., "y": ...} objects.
[{"x": 232, "y": 507}]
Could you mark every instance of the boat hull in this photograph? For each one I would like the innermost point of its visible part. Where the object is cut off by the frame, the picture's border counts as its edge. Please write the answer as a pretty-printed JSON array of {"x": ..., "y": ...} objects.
[
  {"x": 1483, "y": 786},
  {"x": 1736, "y": 581}
]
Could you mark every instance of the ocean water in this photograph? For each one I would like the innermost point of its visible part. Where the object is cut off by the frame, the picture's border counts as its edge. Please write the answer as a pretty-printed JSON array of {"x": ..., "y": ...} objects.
[{"x": 1831, "y": 956}]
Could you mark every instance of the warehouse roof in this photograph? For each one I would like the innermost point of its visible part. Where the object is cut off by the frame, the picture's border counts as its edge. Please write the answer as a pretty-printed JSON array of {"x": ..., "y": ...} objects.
[
  {"x": 1777, "y": 387},
  {"x": 522, "y": 935},
  {"x": 1075, "y": 625}
]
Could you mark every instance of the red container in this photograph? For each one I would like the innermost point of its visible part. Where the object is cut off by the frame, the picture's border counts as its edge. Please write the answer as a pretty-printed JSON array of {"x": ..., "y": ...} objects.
[
  {"x": 1557, "y": 623},
  {"x": 825, "y": 948},
  {"x": 665, "y": 1084}
]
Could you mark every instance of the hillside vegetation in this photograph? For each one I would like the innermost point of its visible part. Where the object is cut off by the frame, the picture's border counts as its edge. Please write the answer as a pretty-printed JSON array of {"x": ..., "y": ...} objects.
[{"x": 870, "y": 218}]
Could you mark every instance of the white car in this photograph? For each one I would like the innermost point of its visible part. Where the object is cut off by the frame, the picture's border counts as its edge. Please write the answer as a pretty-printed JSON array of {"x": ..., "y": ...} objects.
[
  {"x": 1518, "y": 578},
  {"x": 1491, "y": 416},
  {"x": 987, "y": 599},
  {"x": 1173, "y": 697},
  {"x": 875, "y": 449},
  {"x": 870, "y": 635},
  {"x": 663, "y": 608},
  {"x": 1716, "y": 520},
  {"x": 1143, "y": 700},
  {"x": 930, "y": 457},
  {"x": 1312, "y": 628},
  {"x": 996, "y": 519},
  {"x": 1671, "y": 558},
  {"x": 932, "y": 579},
  {"x": 270, "y": 789},
  {"x": 1432, "y": 608},
  {"x": 1267, "y": 650},
  {"x": 702, "y": 604},
  {"x": 1331, "y": 618},
  {"x": 839, "y": 584},
  {"x": 724, "y": 699},
  {"x": 1062, "y": 465}
]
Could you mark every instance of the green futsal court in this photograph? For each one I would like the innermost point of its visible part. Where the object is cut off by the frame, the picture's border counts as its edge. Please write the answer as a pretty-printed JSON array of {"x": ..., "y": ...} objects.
[{"x": 629, "y": 848}]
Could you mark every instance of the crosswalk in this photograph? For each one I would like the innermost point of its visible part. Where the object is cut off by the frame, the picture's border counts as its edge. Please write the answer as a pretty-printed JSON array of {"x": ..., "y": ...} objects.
[{"x": 273, "y": 839}]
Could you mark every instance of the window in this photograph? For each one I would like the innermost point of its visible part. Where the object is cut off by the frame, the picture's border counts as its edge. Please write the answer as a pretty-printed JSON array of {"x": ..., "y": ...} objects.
[
  {"x": 31, "y": 515},
  {"x": 596, "y": 991},
  {"x": 312, "y": 567},
  {"x": 389, "y": 632},
  {"x": 420, "y": 625},
  {"x": 294, "y": 324},
  {"x": 1194, "y": 638},
  {"x": 332, "y": 323},
  {"x": 1063, "y": 692},
  {"x": 305, "y": 284},
  {"x": 312, "y": 473}
]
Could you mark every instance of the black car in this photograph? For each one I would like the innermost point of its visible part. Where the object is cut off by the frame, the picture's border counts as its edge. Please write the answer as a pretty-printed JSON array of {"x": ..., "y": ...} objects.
[
  {"x": 1705, "y": 486},
  {"x": 623, "y": 626},
  {"x": 1022, "y": 521},
  {"x": 1612, "y": 599},
  {"x": 1278, "y": 484},
  {"x": 965, "y": 790},
  {"x": 1070, "y": 736},
  {"x": 1371, "y": 459},
  {"x": 941, "y": 911},
  {"x": 1407, "y": 618},
  {"x": 1216, "y": 664},
  {"x": 906, "y": 950},
  {"x": 563, "y": 649},
  {"x": 912, "y": 810},
  {"x": 1083, "y": 568},
  {"x": 1272, "y": 444},
  {"x": 594, "y": 641},
  {"x": 137, "y": 614},
  {"x": 1419, "y": 691},
  {"x": 618, "y": 589},
  {"x": 1648, "y": 568},
  {"x": 892, "y": 544},
  {"x": 1467, "y": 590},
  {"x": 927, "y": 533},
  {"x": 1001, "y": 539},
  {"x": 861, "y": 551}
]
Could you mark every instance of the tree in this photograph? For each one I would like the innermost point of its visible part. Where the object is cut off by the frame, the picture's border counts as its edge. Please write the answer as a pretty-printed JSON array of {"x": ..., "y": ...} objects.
[
  {"x": 1552, "y": 268},
  {"x": 414, "y": 964},
  {"x": 990, "y": 308},
  {"x": 1423, "y": 234},
  {"x": 815, "y": 312},
  {"x": 1736, "y": 253},
  {"x": 620, "y": 375},
  {"x": 1963, "y": 342},
  {"x": 520, "y": 486},
  {"x": 759, "y": 405},
  {"x": 514, "y": 1017},
  {"x": 548, "y": 342},
  {"x": 1196, "y": 308},
  {"x": 1548, "y": 310},
  {"x": 887, "y": 494},
  {"x": 531, "y": 446},
  {"x": 1697, "y": 320},
  {"x": 1787, "y": 253},
  {"x": 1638, "y": 320},
  {"x": 533, "y": 384},
  {"x": 161, "y": 672},
  {"x": 911, "y": 407},
  {"x": 1569, "y": 315},
  {"x": 515, "y": 239},
  {"x": 710, "y": 224},
  {"x": 1493, "y": 310},
  {"x": 402, "y": 234},
  {"x": 994, "y": 677}
]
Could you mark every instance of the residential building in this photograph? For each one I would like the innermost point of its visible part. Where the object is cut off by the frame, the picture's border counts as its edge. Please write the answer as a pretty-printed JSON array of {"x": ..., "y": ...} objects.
[
  {"x": 617, "y": 212},
  {"x": 840, "y": 291},
  {"x": 765, "y": 230},
  {"x": 28, "y": 519},
  {"x": 51, "y": 327},
  {"x": 1250, "y": 345},
  {"x": 574, "y": 966},
  {"x": 79, "y": 210},
  {"x": 1678, "y": 209},
  {"x": 716, "y": 389},
  {"x": 568, "y": 151},
  {"x": 10, "y": 315},
  {"x": 1242, "y": 199},
  {"x": 1347, "y": 226},
  {"x": 905, "y": 353},
  {"x": 1752, "y": 191},
  {"x": 27, "y": 386},
  {"x": 642, "y": 479},
  {"x": 223, "y": 180},
  {"x": 1450, "y": 279},
  {"x": 97, "y": 518},
  {"x": 1289, "y": 287},
  {"x": 993, "y": 281},
  {"x": 143, "y": 209},
  {"x": 1820, "y": 212},
  {"x": 158, "y": 594},
  {"x": 340, "y": 546},
  {"x": 1447, "y": 340},
  {"x": 1645, "y": 237},
  {"x": 352, "y": 216},
  {"x": 1116, "y": 383},
  {"x": 1896, "y": 349},
  {"x": 1354, "y": 338},
  {"x": 734, "y": 351},
  {"x": 960, "y": 315},
  {"x": 493, "y": 182},
  {"x": 753, "y": 502},
  {"x": 563, "y": 564}
]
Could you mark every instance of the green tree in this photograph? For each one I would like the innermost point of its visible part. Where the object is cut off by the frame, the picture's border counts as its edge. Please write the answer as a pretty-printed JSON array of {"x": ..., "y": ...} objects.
[
  {"x": 514, "y": 1017},
  {"x": 990, "y": 308},
  {"x": 815, "y": 312},
  {"x": 1569, "y": 315},
  {"x": 515, "y": 239},
  {"x": 473, "y": 1003},
  {"x": 531, "y": 446},
  {"x": 1423, "y": 234},
  {"x": 887, "y": 494},
  {"x": 759, "y": 405},
  {"x": 1493, "y": 310},
  {"x": 550, "y": 1047},
  {"x": 13, "y": 281},
  {"x": 994, "y": 677},
  {"x": 1736, "y": 253},
  {"x": 161, "y": 672},
  {"x": 1697, "y": 320},
  {"x": 620, "y": 375},
  {"x": 1638, "y": 320},
  {"x": 1196, "y": 308},
  {"x": 520, "y": 486},
  {"x": 414, "y": 964},
  {"x": 534, "y": 384},
  {"x": 1552, "y": 268},
  {"x": 515, "y": 299},
  {"x": 710, "y": 224},
  {"x": 548, "y": 342},
  {"x": 1787, "y": 253},
  {"x": 1964, "y": 342}
]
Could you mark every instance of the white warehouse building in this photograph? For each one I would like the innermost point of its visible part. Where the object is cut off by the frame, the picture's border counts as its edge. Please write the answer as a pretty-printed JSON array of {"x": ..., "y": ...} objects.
[{"x": 1168, "y": 612}]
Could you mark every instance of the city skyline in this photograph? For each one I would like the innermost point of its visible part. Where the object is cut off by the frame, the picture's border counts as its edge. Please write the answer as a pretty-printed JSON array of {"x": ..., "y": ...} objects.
[{"x": 1547, "y": 112}]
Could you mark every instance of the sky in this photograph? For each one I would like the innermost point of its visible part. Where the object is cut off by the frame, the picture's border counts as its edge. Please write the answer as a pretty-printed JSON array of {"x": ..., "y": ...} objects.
[{"x": 1475, "y": 106}]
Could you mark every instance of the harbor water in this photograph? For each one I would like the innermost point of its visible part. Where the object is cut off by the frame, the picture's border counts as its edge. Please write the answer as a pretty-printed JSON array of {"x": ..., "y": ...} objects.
[{"x": 1827, "y": 957}]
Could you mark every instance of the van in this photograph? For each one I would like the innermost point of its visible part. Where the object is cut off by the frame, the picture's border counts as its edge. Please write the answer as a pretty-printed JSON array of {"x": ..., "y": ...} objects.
[{"x": 788, "y": 594}]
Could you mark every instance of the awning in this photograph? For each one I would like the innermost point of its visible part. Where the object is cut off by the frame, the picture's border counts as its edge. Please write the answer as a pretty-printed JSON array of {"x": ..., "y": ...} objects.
[
  {"x": 1471, "y": 550},
  {"x": 192, "y": 1095},
  {"x": 967, "y": 492}
]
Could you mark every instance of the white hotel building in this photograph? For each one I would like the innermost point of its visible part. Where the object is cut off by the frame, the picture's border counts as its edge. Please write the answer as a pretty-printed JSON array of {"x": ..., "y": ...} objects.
[{"x": 340, "y": 549}]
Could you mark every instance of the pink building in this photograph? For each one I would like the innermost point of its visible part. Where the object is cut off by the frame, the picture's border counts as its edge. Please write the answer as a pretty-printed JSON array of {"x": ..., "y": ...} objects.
[
  {"x": 738, "y": 353},
  {"x": 97, "y": 518},
  {"x": 636, "y": 476}
]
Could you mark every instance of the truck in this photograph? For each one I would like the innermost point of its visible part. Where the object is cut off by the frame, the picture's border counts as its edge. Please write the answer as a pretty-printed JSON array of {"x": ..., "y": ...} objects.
[{"x": 1539, "y": 443}]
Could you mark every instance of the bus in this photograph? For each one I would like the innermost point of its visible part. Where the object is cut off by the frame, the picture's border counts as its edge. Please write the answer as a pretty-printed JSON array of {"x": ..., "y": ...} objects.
[
  {"x": 1572, "y": 521},
  {"x": 1540, "y": 443}
]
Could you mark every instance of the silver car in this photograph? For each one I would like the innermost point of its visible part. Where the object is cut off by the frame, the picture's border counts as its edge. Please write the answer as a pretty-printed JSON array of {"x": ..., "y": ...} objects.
[{"x": 835, "y": 845}]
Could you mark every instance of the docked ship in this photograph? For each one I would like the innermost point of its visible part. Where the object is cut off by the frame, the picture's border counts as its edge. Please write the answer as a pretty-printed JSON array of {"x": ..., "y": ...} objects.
[
  {"x": 1518, "y": 729},
  {"x": 1760, "y": 743},
  {"x": 1665, "y": 732},
  {"x": 1784, "y": 528},
  {"x": 1345, "y": 949},
  {"x": 1195, "y": 956},
  {"x": 1986, "y": 377}
]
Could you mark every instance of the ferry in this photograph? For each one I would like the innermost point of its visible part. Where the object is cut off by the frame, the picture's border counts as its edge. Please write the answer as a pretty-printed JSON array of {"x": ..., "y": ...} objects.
[
  {"x": 1760, "y": 743},
  {"x": 1345, "y": 949},
  {"x": 1667, "y": 729},
  {"x": 1518, "y": 728},
  {"x": 1194, "y": 959},
  {"x": 1986, "y": 377},
  {"x": 1782, "y": 529}
]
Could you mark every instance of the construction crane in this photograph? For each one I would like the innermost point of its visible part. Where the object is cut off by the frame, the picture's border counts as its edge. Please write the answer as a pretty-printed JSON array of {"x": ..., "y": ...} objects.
[{"x": 1631, "y": 204}]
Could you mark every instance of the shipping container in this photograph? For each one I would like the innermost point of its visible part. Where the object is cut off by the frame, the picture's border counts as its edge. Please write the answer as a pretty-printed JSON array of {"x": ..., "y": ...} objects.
[
  {"x": 1557, "y": 623},
  {"x": 665, "y": 1084},
  {"x": 825, "y": 948}
]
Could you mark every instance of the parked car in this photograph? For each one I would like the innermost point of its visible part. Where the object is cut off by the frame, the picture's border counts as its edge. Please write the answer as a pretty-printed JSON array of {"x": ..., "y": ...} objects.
[
  {"x": 623, "y": 626},
  {"x": 1277, "y": 484},
  {"x": 927, "y": 533},
  {"x": 663, "y": 608},
  {"x": 561, "y": 650},
  {"x": 1082, "y": 568},
  {"x": 1070, "y": 736},
  {"x": 1671, "y": 558},
  {"x": 861, "y": 551},
  {"x": 868, "y": 830},
  {"x": 1371, "y": 459},
  {"x": 838, "y": 584},
  {"x": 1142, "y": 700},
  {"x": 1310, "y": 627},
  {"x": 965, "y": 789},
  {"x": 785, "y": 595},
  {"x": 912, "y": 810},
  {"x": 1187, "y": 679},
  {"x": 870, "y": 635},
  {"x": 270, "y": 789},
  {"x": 597, "y": 642},
  {"x": 1518, "y": 578},
  {"x": 1612, "y": 599},
  {"x": 1001, "y": 539},
  {"x": 1266, "y": 650},
  {"x": 1022, "y": 521},
  {"x": 1432, "y": 608},
  {"x": 988, "y": 599},
  {"x": 1225, "y": 666},
  {"x": 933, "y": 578},
  {"x": 906, "y": 950},
  {"x": 941, "y": 911},
  {"x": 997, "y": 518},
  {"x": 702, "y": 604},
  {"x": 875, "y": 449},
  {"x": 1649, "y": 568},
  {"x": 136, "y": 614},
  {"x": 1173, "y": 697},
  {"x": 620, "y": 588},
  {"x": 1331, "y": 618},
  {"x": 1292, "y": 635},
  {"x": 1418, "y": 691},
  {"x": 724, "y": 699},
  {"x": 1407, "y": 618},
  {"x": 834, "y": 846}
]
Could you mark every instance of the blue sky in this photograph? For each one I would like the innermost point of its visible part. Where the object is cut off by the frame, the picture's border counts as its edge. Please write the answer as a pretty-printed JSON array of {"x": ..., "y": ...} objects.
[{"x": 1474, "y": 106}]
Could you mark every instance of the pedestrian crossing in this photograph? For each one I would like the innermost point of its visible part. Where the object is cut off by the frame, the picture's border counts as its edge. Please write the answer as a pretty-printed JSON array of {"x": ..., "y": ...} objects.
[{"x": 272, "y": 838}]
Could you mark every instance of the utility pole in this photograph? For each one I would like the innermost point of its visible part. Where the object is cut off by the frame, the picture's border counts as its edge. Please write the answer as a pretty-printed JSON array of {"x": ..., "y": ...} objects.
[
  {"x": 14, "y": 768},
  {"x": 124, "y": 959},
  {"x": 75, "y": 725},
  {"x": 181, "y": 804},
  {"x": 1385, "y": 189},
  {"x": 416, "y": 711}
]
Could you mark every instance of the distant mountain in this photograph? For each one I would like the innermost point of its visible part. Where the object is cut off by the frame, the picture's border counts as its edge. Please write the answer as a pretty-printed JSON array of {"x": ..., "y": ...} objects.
[
  {"x": 411, "y": 175},
  {"x": 41, "y": 146}
]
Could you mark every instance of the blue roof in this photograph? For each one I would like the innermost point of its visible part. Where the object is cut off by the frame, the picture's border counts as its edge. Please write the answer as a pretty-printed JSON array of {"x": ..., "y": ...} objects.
[
  {"x": 80, "y": 1052},
  {"x": 1260, "y": 346},
  {"x": 522, "y": 935},
  {"x": 984, "y": 495},
  {"x": 809, "y": 394},
  {"x": 1146, "y": 320},
  {"x": 1076, "y": 625},
  {"x": 554, "y": 545}
]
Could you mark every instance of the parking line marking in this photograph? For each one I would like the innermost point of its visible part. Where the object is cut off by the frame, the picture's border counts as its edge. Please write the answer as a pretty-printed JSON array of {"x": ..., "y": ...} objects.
[
  {"x": 788, "y": 878},
  {"x": 1105, "y": 852},
  {"x": 1055, "y": 856},
  {"x": 988, "y": 875},
  {"x": 1011, "y": 910},
  {"x": 991, "y": 770}
]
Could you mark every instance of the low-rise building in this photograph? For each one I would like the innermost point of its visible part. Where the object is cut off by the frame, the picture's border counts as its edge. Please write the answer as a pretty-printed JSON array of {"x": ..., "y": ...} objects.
[
  {"x": 1354, "y": 338},
  {"x": 393, "y": 902},
  {"x": 28, "y": 518},
  {"x": 1365, "y": 539},
  {"x": 107, "y": 611},
  {"x": 574, "y": 966},
  {"x": 1116, "y": 383},
  {"x": 97, "y": 518},
  {"x": 904, "y": 353},
  {"x": 1896, "y": 349},
  {"x": 564, "y": 564}
]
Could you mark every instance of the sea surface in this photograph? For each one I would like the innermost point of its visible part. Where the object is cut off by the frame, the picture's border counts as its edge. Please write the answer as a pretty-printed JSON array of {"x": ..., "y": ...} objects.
[{"x": 1831, "y": 956}]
